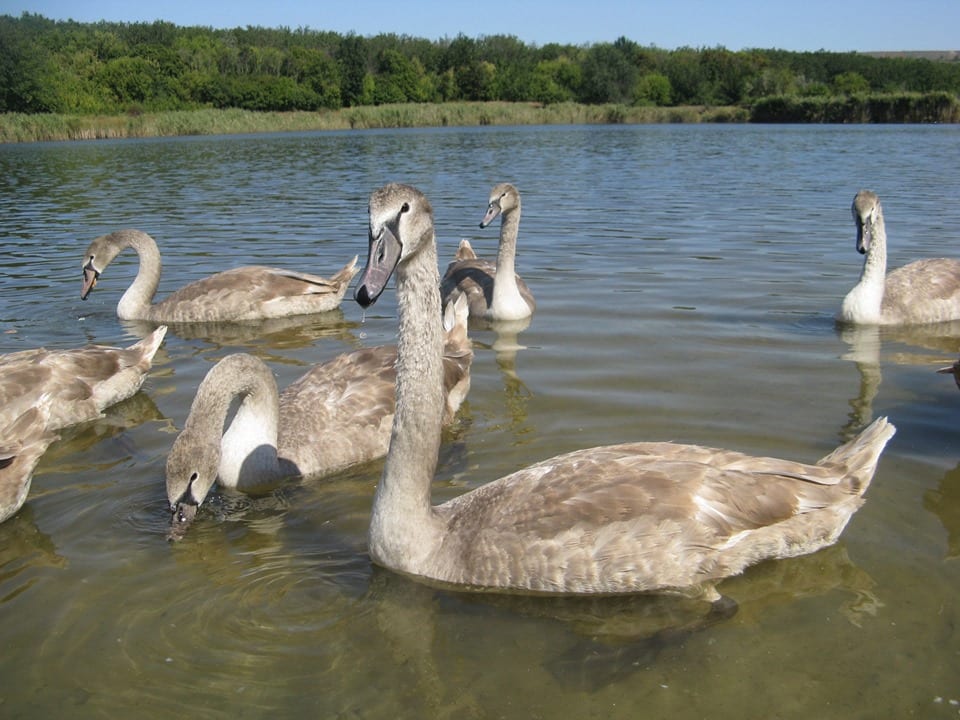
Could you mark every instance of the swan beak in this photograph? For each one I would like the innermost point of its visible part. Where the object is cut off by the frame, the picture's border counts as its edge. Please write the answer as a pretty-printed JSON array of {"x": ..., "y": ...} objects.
[
  {"x": 90, "y": 277},
  {"x": 493, "y": 209},
  {"x": 181, "y": 519},
  {"x": 864, "y": 236},
  {"x": 952, "y": 370},
  {"x": 384, "y": 254}
]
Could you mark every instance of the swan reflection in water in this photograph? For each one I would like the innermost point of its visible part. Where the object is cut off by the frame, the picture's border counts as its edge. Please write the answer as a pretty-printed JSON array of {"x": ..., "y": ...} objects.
[
  {"x": 275, "y": 334},
  {"x": 869, "y": 347}
]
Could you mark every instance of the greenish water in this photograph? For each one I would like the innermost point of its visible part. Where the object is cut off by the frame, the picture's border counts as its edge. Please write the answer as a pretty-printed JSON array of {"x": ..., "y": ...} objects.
[{"x": 686, "y": 280}]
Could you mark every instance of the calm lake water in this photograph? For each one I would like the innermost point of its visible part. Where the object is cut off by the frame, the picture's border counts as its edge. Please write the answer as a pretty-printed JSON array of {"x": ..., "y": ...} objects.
[{"x": 686, "y": 279}]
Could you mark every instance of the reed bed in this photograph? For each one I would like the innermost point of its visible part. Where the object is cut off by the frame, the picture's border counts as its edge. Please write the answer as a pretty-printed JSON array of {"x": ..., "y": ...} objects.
[{"x": 18, "y": 127}]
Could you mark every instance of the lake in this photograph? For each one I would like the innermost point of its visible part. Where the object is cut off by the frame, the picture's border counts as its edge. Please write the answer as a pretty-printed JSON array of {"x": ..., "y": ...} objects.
[{"x": 686, "y": 279}]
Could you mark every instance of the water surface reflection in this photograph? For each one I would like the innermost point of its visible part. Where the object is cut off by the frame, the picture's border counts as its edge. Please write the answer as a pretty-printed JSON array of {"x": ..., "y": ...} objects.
[{"x": 686, "y": 281}]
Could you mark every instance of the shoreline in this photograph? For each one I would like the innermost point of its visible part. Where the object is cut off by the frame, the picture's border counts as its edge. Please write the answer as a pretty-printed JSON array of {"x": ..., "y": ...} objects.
[
  {"x": 23, "y": 128},
  {"x": 896, "y": 108}
]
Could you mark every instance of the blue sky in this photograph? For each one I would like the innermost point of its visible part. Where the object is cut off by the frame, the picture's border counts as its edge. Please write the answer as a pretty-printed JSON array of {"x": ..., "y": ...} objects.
[{"x": 735, "y": 24}]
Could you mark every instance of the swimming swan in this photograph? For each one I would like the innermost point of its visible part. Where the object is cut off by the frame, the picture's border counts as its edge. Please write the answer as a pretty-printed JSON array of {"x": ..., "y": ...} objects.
[
  {"x": 253, "y": 292},
  {"x": 627, "y": 518},
  {"x": 336, "y": 415},
  {"x": 81, "y": 382},
  {"x": 495, "y": 291},
  {"x": 925, "y": 291},
  {"x": 23, "y": 441}
]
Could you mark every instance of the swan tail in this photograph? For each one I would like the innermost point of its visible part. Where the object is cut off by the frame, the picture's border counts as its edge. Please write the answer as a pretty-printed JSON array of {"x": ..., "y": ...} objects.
[
  {"x": 465, "y": 251},
  {"x": 345, "y": 275},
  {"x": 148, "y": 347},
  {"x": 860, "y": 455},
  {"x": 455, "y": 323}
]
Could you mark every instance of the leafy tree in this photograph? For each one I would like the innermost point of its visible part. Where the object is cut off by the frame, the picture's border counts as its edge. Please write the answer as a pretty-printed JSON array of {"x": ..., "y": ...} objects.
[
  {"x": 554, "y": 81},
  {"x": 198, "y": 53},
  {"x": 66, "y": 66},
  {"x": 608, "y": 74},
  {"x": 129, "y": 79},
  {"x": 315, "y": 69},
  {"x": 352, "y": 62},
  {"x": 25, "y": 73},
  {"x": 653, "y": 89},
  {"x": 850, "y": 83},
  {"x": 399, "y": 79}
]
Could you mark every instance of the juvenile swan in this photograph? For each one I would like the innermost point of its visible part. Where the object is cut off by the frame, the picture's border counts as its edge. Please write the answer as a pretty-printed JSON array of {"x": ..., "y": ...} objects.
[
  {"x": 620, "y": 519},
  {"x": 23, "y": 441},
  {"x": 81, "y": 382},
  {"x": 925, "y": 291},
  {"x": 253, "y": 292},
  {"x": 336, "y": 415},
  {"x": 495, "y": 292}
]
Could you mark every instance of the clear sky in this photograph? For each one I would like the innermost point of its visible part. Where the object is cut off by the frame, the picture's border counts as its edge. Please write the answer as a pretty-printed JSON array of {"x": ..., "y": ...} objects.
[{"x": 735, "y": 24}]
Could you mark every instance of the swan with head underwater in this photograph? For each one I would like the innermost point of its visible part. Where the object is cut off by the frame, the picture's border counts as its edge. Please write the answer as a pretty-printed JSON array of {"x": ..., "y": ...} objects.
[
  {"x": 251, "y": 292},
  {"x": 639, "y": 517},
  {"x": 244, "y": 434},
  {"x": 924, "y": 291}
]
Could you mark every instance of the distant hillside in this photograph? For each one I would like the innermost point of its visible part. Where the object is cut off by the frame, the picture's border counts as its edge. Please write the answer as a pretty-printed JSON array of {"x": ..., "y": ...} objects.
[{"x": 946, "y": 55}]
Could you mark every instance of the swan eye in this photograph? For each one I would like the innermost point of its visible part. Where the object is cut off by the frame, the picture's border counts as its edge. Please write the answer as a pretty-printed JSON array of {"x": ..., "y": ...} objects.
[{"x": 405, "y": 208}]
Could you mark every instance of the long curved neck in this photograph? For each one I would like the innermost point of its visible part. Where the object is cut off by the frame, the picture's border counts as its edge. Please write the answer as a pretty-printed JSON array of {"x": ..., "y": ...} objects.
[
  {"x": 507, "y": 303},
  {"x": 864, "y": 302},
  {"x": 248, "y": 447},
  {"x": 403, "y": 525},
  {"x": 136, "y": 301}
]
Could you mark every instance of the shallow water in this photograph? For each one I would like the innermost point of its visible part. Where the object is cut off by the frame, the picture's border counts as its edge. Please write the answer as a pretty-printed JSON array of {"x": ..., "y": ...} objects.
[{"x": 686, "y": 280}]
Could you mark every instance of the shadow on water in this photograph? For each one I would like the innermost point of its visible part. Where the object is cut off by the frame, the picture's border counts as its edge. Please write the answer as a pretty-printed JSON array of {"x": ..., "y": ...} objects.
[
  {"x": 604, "y": 641},
  {"x": 944, "y": 502},
  {"x": 78, "y": 440}
]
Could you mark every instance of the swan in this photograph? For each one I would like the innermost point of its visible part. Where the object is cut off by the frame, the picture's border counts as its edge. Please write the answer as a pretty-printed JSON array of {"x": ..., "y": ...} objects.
[
  {"x": 336, "y": 415},
  {"x": 253, "y": 292},
  {"x": 23, "y": 440},
  {"x": 640, "y": 517},
  {"x": 82, "y": 382},
  {"x": 495, "y": 292},
  {"x": 925, "y": 291}
]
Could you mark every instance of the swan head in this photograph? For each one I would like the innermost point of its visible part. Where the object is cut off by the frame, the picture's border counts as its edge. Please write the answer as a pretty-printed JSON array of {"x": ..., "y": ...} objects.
[
  {"x": 90, "y": 277},
  {"x": 401, "y": 223},
  {"x": 96, "y": 258},
  {"x": 191, "y": 472},
  {"x": 866, "y": 210},
  {"x": 101, "y": 253},
  {"x": 503, "y": 199}
]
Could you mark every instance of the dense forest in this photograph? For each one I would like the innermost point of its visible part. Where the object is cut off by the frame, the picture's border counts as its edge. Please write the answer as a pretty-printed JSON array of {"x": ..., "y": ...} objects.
[{"x": 67, "y": 67}]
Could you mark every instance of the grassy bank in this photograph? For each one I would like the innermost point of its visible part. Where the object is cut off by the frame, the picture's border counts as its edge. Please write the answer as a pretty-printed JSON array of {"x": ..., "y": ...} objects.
[
  {"x": 15, "y": 127},
  {"x": 933, "y": 107}
]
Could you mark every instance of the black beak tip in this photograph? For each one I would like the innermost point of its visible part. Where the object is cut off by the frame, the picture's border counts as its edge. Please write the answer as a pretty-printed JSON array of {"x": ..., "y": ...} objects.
[{"x": 362, "y": 296}]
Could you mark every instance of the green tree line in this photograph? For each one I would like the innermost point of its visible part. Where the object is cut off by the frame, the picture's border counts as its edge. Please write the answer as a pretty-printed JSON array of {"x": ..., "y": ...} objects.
[{"x": 67, "y": 67}]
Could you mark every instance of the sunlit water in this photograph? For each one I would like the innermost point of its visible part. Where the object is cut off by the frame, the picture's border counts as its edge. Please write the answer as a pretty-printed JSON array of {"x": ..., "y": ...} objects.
[{"x": 686, "y": 280}]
